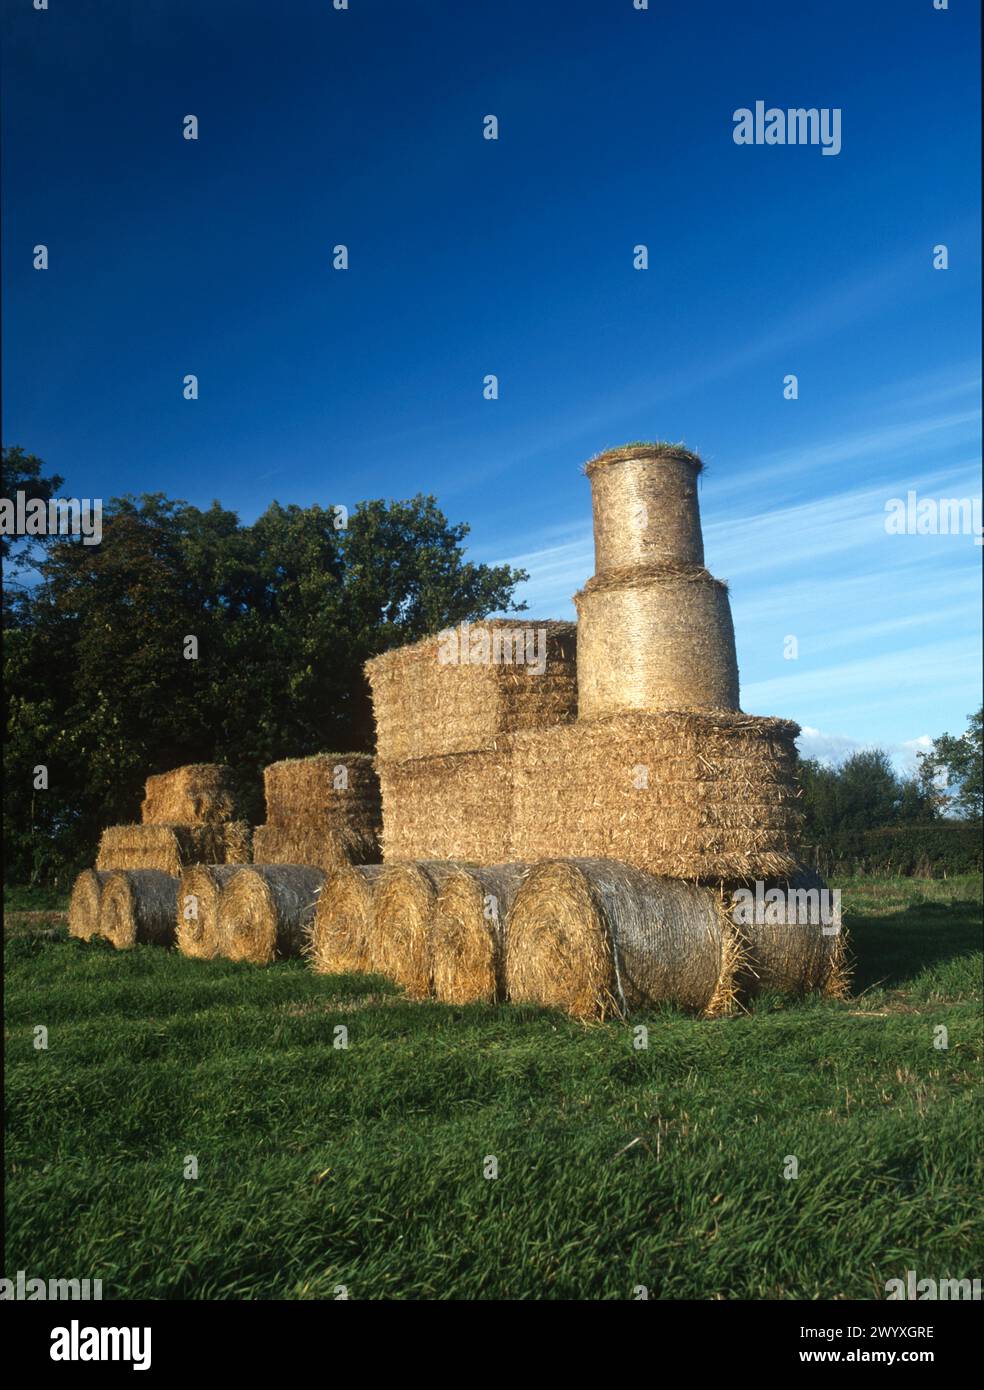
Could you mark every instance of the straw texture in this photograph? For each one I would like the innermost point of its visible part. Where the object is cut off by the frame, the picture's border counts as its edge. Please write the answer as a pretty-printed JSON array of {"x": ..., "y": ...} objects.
[
  {"x": 644, "y": 500},
  {"x": 454, "y": 807},
  {"x": 788, "y": 952},
  {"x": 655, "y": 638},
  {"x": 322, "y": 847},
  {"x": 342, "y": 935},
  {"x": 83, "y": 907},
  {"x": 266, "y": 910},
  {"x": 426, "y": 705},
  {"x": 138, "y": 908},
  {"x": 467, "y": 929},
  {"x": 197, "y": 932},
  {"x": 404, "y": 901},
  {"x": 597, "y": 938},
  {"x": 170, "y": 848},
  {"x": 192, "y": 795}
]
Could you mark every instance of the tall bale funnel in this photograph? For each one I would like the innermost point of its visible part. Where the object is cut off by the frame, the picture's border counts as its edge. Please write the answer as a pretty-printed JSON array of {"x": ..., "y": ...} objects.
[
  {"x": 654, "y": 628},
  {"x": 597, "y": 938},
  {"x": 644, "y": 498},
  {"x": 655, "y": 639}
]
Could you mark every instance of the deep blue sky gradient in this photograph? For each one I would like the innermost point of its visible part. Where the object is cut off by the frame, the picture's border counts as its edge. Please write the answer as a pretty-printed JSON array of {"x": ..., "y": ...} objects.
[{"x": 515, "y": 257}]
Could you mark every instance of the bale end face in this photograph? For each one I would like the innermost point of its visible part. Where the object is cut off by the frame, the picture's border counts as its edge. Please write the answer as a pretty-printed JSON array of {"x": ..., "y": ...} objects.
[
  {"x": 138, "y": 907},
  {"x": 466, "y": 936},
  {"x": 200, "y": 888},
  {"x": 342, "y": 934},
  {"x": 83, "y": 908},
  {"x": 265, "y": 911}
]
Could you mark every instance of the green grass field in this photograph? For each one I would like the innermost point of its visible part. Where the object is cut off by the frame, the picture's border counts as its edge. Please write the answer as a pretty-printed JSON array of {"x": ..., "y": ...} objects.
[{"x": 364, "y": 1167}]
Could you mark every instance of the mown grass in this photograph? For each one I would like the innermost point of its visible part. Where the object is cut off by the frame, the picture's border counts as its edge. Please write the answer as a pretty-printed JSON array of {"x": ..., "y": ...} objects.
[{"x": 320, "y": 1166}]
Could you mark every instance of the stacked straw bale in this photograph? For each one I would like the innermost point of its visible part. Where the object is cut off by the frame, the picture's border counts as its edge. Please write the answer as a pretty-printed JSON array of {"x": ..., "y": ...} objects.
[
  {"x": 196, "y": 794},
  {"x": 645, "y": 506},
  {"x": 598, "y": 938},
  {"x": 654, "y": 628},
  {"x": 266, "y": 910},
  {"x": 198, "y": 909},
  {"x": 654, "y": 639},
  {"x": 454, "y": 807},
  {"x": 459, "y": 691},
  {"x": 324, "y": 811},
  {"x": 342, "y": 937},
  {"x": 692, "y": 796},
  {"x": 171, "y": 848},
  {"x": 83, "y": 907},
  {"x": 466, "y": 936},
  {"x": 796, "y": 948},
  {"x": 138, "y": 907}
]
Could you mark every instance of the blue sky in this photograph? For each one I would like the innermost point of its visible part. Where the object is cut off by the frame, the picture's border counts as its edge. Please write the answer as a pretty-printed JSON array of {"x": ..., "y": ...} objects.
[{"x": 514, "y": 257}]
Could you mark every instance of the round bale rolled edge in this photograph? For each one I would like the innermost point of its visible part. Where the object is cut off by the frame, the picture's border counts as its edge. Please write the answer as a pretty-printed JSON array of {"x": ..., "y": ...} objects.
[{"x": 598, "y": 938}]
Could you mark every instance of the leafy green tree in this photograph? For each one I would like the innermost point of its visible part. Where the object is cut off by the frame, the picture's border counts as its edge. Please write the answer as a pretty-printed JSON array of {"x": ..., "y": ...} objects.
[
  {"x": 864, "y": 792},
  {"x": 99, "y": 687},
  {"x": 956, "y": 768},
  {"x": 20, "y": 472}
]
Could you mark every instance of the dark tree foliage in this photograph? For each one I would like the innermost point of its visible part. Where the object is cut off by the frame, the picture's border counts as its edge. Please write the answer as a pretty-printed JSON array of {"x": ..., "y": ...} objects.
[
  {"x": 98, "y": 687},
  {"x": 864, "y": 792},
  {"x": 956, "y": 768}
]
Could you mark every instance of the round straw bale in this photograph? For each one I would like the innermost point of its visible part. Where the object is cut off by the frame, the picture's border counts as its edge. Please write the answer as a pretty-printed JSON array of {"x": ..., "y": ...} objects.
[
  {"x": 644, "y": 500},
  {"x": 83, "y": 907},
  {"x": 596, "y": 937},
  {"x": 198, "y": 909},
  {"x": 404, "y": 902},
  {"x": 792, "y": 943},
  {"x": 466, "y": 933},
  {"x": 655, "y": 639},
  {"x": 265, "y": 911},
  {"x": 138, "y": 907},
  {"x": 341, "y": 935}
]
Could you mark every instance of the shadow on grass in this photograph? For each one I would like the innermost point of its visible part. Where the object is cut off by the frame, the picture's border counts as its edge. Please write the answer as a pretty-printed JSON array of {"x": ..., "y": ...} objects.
[{"x": 891, "y": 950}]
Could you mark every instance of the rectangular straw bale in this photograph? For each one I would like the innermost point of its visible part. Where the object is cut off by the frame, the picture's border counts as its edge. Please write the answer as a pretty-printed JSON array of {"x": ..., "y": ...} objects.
[
  {"x": 454, "y": 807},
  {"x": 192, "y": 795},
  {"x": 460, "y": 691},
  {"x": 337, "y": 791},
  {"x": 171, "y": 848},
  {"x": 601, "y": 789},
  {"x": 317, "y": 847}
]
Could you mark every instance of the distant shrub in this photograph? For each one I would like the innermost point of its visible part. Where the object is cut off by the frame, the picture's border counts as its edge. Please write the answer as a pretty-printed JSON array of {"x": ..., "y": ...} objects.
[{"x": 937, "y": 849}]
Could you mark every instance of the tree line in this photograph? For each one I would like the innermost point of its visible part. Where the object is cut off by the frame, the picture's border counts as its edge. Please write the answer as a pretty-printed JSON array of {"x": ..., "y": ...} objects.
[{"x": 102, "y": 687}]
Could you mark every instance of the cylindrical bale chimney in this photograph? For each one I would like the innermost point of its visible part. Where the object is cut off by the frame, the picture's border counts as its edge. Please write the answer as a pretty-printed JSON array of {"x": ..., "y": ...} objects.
[
  {"x": 654, "y": 628},
  {"x": 644, "y": 498},
  {"x": 656, "y": 641}
]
